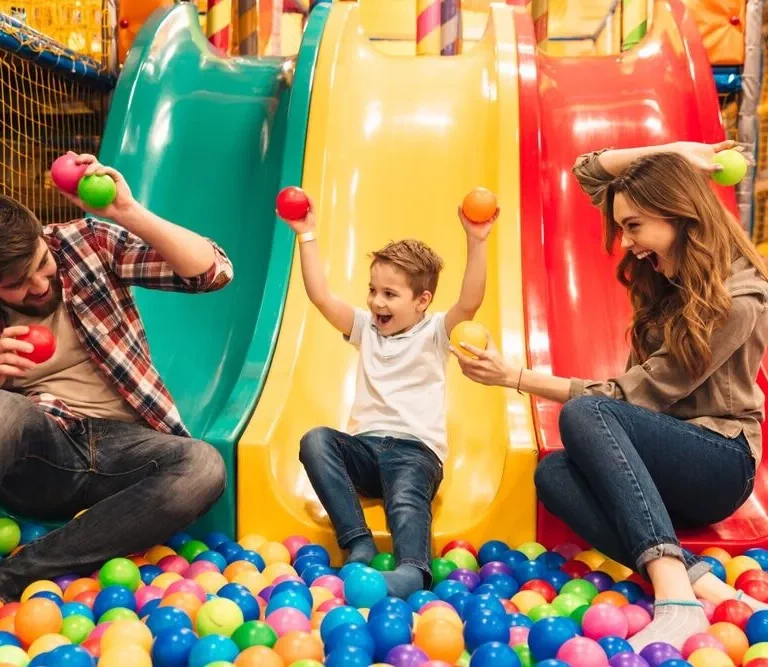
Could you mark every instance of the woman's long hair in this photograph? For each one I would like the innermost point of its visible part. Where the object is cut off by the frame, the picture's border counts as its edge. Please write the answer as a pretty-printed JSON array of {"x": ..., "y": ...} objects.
[{"x": 679, "y": 312}]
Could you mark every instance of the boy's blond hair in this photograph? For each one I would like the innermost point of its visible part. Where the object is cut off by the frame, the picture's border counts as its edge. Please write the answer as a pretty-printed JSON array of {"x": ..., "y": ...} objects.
[{"x": 417, "y": 260}]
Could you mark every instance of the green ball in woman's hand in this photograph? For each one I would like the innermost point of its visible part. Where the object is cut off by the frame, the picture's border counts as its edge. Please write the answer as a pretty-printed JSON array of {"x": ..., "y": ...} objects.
[
  {"x": 734, "y": 167},
  {"x": 97, "y": 191}
]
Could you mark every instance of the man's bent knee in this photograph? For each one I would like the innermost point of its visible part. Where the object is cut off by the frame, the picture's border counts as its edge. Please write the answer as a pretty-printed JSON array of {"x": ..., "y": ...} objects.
[
  {"x": 203, "y": 474},
  {"x": 16, "y": 413},
  {"x": 314, "y": 444}
]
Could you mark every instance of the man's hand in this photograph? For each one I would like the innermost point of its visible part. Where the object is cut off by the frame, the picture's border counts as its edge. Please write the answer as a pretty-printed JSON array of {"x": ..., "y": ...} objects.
[{"x": 11, "y": 364}]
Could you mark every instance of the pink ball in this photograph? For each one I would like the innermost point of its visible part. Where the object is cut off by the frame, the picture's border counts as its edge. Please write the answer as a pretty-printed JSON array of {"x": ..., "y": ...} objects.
[
  {"x": 604, "y": 620},
  {"x": 99, "y": 630},
  {"x": 518, "y": 635},
  {"x": 709, "y": 609},
  {"x": 701, "y": 640},
  {"x": 294, "y": 543},
  {"x": 176, "y": 564},
  {"x": 288, "y": 619},
  {"x": 637, "y": 618},
  {"x": 66, "y": 174},
  {"x": 147, "y": 593},
  {"x": 582, "y": 652},
  {"x": 199, "y": 567},
  {"x": 567, "y": 550},
  {"x": 186, "y": 586},
  {"x": 435, "y": 603},
  {"x": 331, "y": 604},
  {"x": 331, "y": 583}
]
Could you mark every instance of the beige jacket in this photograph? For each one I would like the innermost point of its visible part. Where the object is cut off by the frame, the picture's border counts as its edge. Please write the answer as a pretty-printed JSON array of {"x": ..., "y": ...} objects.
[{"x": 726, "y": 398}]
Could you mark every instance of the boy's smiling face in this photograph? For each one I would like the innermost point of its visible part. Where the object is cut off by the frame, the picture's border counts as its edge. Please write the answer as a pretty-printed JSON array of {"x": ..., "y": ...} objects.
[{"x": 394, "y": 306}]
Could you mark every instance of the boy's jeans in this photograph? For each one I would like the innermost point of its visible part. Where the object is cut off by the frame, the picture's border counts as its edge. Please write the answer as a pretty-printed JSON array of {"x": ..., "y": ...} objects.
[{"x": 404, "y": 473}]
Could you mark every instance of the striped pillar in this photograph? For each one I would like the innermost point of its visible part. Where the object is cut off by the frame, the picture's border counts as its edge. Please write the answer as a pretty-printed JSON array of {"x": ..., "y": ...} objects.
[
  {"x": 248, "y": 26},
  {"x": 634, "y": 22},
  {"x": 428, "y": 27},
  {"x": 219, "y": 23},
  {"x": 540, "y": 14},
  {"x": 450, "y": 28}
]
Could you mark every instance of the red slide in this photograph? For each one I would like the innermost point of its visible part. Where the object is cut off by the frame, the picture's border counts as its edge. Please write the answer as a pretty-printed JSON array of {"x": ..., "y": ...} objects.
[{"x": 576, "y": 312}]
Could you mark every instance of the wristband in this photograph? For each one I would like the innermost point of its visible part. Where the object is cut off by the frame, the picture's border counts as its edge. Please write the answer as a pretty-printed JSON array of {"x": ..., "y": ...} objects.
[{"x": 306, "y": 236}]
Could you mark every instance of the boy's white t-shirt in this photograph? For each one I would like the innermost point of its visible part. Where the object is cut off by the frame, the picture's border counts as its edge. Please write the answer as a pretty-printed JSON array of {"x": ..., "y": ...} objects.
[{"x": 401, "y": 381}]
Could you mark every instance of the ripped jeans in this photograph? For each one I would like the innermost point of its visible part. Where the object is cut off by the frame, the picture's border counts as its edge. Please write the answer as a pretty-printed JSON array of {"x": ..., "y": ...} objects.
[{"x": 628, "y": 475}]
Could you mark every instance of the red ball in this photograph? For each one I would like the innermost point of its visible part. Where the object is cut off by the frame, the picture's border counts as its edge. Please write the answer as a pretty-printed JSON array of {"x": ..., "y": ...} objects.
[
  {"x": 757, "y": 662},
  {"x": 87, "y": 598},
  {"x": 750, "y": 575},
  {"x": 9, "y": 609},
  {"x": 575, "y": 568},
  {"x": 292, "y": 203},
  {"x": 124, "y": 23},
  {"x": 543, "y": 588},
  {"x": 93, "y": 646},
  {"x": 459, "y": 544},
  {"x": 756, "y": 588},
  {"x": 66, "y": 174},
  {"x": 732, "y": 611},
  {"x": 44, "y": 343}
]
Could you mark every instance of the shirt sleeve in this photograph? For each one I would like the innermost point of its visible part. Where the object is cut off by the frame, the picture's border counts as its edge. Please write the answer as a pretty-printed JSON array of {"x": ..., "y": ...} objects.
[
  {"x": 660, "y": 381},
  {"x": 442, "y": 340},
  {"x": 138, "y": 264},
  {"x": 592, "y": 176},
  {"x": 362, "y": 320}
]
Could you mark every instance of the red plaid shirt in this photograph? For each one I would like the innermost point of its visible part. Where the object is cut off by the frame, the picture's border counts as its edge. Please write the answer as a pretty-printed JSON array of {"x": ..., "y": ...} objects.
[{"x": 98, "y": 263}]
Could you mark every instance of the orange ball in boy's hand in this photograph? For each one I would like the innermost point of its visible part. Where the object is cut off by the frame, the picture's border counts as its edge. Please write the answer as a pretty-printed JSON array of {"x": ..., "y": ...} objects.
[{"x": 479, "y": 205}]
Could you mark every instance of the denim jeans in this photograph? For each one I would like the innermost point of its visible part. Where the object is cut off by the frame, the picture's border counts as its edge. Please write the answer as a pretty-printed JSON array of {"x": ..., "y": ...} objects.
[
  {"x": 628, "y": 475},
  {"x": 404, "y": 473},
  {"x": 140, "y": 486}
]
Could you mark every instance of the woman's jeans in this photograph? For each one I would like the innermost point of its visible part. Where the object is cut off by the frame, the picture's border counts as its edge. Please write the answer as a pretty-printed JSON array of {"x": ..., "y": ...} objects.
[{"x": 628, "y": 475}]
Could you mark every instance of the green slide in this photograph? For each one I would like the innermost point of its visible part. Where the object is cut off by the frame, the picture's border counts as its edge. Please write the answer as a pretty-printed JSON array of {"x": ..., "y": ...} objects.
[{"x": 207, "y": 142}]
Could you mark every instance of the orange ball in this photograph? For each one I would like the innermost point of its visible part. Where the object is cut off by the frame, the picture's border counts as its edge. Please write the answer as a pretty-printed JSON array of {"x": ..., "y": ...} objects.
[
  {"x": 440, "y": 640},
  {"x": 733, "y": 638},
  {"x": 233, "y": 569},
  {"x": 126, "y": 633},
  {"x": 188, "y": 603},
  {"x": 125, "y": 656},
  {"x": 295, "y": 646},
  {"x": 80, "y": 586},
  {"x": 259, "y": 656},
  {"x": 610, "y": 597},
  {"x": 35, "y": 618},
  {"x": 479, "y": 205},
  {"x": 717, "y": 552}
]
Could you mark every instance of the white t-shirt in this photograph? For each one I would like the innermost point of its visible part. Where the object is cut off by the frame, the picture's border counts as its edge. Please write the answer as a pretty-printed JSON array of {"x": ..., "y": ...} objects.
[{"x": 401, "y": 381}]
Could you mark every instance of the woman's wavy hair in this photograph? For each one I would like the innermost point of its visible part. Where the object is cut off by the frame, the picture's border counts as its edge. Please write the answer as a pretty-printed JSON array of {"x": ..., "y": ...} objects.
[{"x": 680, "y": 312}]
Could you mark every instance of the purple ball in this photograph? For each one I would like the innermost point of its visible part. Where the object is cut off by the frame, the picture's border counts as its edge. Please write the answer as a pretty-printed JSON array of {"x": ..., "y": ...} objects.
[
  {"x": 470, "y": 579},
  {"x": 65, "y": 580},
  {"x": 601, "y": 580},
  {"x": 494, "y": 567},
  {"x": 646, "y": 604},
  {"x": 266, "y": 593},
  {"x": 407, "y": 655},
  {"x": 658, "y": 652},
  {"x": 628, "y": 660}
]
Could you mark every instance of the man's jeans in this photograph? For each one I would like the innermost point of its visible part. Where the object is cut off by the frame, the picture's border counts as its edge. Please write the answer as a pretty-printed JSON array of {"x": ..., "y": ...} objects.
[
  {"x": 140, "y": 486},
  {"x": 628, "y": 476},
  {"x": 404, "y": 473}
]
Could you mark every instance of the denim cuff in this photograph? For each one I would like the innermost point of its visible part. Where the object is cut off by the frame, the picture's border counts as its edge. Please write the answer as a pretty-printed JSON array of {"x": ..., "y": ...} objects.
[
  {"x": 698, "y": 570},
  {"x": 663, "y": 550},
  {"x": 346, "y": 538}
]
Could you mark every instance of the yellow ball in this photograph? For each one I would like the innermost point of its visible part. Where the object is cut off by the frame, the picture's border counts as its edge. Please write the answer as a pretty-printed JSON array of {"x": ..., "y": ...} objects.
[
  {"x": 274, "y": 552},
  {"x": 212, "y": 582},
  {"x": 156, "y": 554},
  {"x": 255, "y": 582},
  {"x": 252, "y": 542},
  {"x": 738, "y": 565},
  {"x": 125, "y": 656},
  {"x": 593, "y": 559},
  {"x": 441, "y": 612},
  {"x": 46, "y": 643},
  {"x": 126, "y": 633},
  {"x": 717, "y": 552},
  {"x": 319, "y": 595},
  {"x": 709, "y": 657},
  {"x": 38, "y": 586},
  {"x": 616, "y": 571},
  {"x": 527, "y": 600},
  {"x": 275, "y": 570},
  {"x": 469, "y": 332},
  {"x": 165, "y": 579}
]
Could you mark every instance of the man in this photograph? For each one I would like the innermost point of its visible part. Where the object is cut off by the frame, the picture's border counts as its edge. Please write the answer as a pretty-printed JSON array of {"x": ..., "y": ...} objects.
[{"x": 95, "y": 426}]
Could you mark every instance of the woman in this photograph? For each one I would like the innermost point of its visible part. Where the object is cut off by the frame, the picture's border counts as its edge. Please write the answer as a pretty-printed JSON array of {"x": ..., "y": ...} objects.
[{"x": 646, "y": 449}]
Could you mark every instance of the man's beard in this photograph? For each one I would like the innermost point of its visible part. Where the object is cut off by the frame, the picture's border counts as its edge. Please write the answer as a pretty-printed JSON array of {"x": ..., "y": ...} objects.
[{"x": 40, "y": 310}]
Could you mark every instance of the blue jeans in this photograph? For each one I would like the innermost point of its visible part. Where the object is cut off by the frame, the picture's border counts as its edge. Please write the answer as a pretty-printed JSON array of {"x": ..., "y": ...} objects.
[
  {"x": 140, "y": 486},
  {"x": 404, "y": 473},
  {"x": 628, "y": 475}
]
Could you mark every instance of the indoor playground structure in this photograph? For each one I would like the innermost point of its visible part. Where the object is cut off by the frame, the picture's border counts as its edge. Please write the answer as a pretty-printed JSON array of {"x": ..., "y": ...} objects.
[{"x": 387, "y": 112}]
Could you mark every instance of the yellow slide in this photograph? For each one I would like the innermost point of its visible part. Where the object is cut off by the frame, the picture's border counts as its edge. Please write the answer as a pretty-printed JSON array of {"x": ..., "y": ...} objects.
[{"x": 394, "y": 143}]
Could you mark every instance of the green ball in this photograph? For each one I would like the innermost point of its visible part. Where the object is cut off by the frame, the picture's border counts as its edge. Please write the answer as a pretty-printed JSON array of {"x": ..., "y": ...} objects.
[
  {"x": 441, "y": 568},
  {"x": 118, "y": 614},
  {"x": 463, "y": 660},
  {"x": 192, "y": 549},
  {"x": 97, "y": 191},
  {"x": 76, "y": 628},
  {"x": 531, "y": 549},
  {"x": 120, "y": 572},
  {"x": 10, "y": 535},
  {"x": 543, "y": 611},
  {"x": 383, "y": 562},
  {"x": 13, "y": 655},
  {"x": 219, "y": 616},
  {"x": 567, "y": 603},
  {"x": 577, "y": 615},
  {"x": 759, "y": 650},
  {"x": 307, "y": 662},
  {"x": 524, "y": 654},
  {"x": 734, "y": 167},
  {"x": 462, "y": 558},
  {"x": 254, "y": 633},
  {"x": 580, "y": 587}
]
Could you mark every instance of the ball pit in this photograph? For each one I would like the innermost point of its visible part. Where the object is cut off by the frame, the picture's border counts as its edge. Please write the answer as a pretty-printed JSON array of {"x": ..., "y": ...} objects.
[{"x": 260, "y": 603}]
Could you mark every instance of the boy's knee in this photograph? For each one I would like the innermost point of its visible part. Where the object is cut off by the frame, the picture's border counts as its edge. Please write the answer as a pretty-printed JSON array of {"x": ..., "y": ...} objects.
[{"x": 315, "y": 443}]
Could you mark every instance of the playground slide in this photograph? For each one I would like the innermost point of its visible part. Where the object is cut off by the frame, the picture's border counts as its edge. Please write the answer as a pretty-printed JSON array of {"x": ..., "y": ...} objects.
[
  {"x": 206, "y": 142},
  {"x": 575, "y": 310},
  {"x": 393, "y": 145}
]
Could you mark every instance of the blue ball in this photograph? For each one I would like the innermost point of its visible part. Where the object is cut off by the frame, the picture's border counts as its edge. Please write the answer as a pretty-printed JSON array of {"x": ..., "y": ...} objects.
[
  {"x": 31, "y": 532},
  {"x": 70, "y": 655},
  {"x": 294, "y": 588},
  {"x": 760, "y": 555},
  {"x": 675, "y": 662},
  {"x": 388, "y": 632},
  {"x": 345, "y": 571},
  {"x": 629, "y": 589},
  {"x": 76, "y": 608},
  {"x": 253, "y": 558},
  {"x": 481, "y": 602},
  {"x": 459, "y": 602},
  {"x": 149, "y": 607},
  {"x": 614, "y": 645},
  {"x": 552, "y": 662},
  {"x": 212, "y": 557},
  {"x": 393, "y": 607},
  {"x": 172, "y": 647},
  {"x": 49, "y": 595},
  {"x": 528, "y": 571},
  {"x": 232, "y": 551},
  {"x": 485, "y": 626},
  {"x": 351, "y": 635},
  {"x": 243, "y": 598},
  {"x": 178, "y": 540},
  {"x": 303, "y": 562},
  {"x": 551, "y": 560},
  {"x": 8, "y": 639},
  {"x": 505, "y": 585},
  {"x": 491, "y": 551},
  {"x": 447, "y": 588},
  {"x": 149, "y": 573},
  {"x": 494, "y": 654},
  {"x": 288, "y": 599},
  {"x": 549, "y": 634},
  {"x": 215, "y": 538},
  {"x": 488, "y": 588},
  {"x": 518, "y": 619},
  {"x": 212, "y": 648},
  {"x": 344, "y": 615},
  {"x": 167, "y": 618},
  {"x": 718, "y": 569},
  {"x": 314, "y": 571},
  {"x": 348, "y": 656},
  {"x": 418, "y": 599},
  {"x": 319, "y": 553},
  {"x": 513, "y": 558},
  {"x": 111, "y": 597},
  {"x": 757, "y": 627},
  {"x": 365, "y": 587},
  {"x": 556, "y": 578}
]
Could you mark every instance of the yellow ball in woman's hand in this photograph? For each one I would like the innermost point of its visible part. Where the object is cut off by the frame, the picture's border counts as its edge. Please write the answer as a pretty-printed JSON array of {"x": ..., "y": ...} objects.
[{"x": 472, "y": 333}]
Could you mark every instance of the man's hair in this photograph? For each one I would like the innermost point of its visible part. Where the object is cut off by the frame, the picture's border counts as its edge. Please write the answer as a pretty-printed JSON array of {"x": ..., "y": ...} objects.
[
  {"x": 417, "y": 260},
  {"x": 20, "y": 231}
]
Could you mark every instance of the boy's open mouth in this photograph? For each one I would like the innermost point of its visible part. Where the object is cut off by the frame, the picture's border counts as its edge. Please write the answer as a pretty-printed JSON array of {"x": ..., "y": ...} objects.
[{"x": 382, "y": 318}]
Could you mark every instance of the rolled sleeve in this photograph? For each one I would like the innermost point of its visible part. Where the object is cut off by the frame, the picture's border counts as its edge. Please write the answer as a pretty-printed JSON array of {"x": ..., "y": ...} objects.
[{"x": 593, "y": 178}]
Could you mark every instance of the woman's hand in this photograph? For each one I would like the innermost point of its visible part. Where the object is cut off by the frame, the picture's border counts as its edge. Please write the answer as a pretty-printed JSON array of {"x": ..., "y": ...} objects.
[
  {"x": 702, "y": 155},
  {"x": 487, "y": 366}
]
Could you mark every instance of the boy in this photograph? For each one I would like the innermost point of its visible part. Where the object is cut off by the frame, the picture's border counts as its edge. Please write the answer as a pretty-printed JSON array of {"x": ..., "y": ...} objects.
[{"x": 396, "y": 443}]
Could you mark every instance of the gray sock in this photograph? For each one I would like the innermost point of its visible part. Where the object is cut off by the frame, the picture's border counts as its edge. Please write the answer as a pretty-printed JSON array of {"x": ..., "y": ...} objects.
[
  {"x": 673, "y": 622},
  {"x": 406, "y": 579},
  {"x": 361, "y": 550}
]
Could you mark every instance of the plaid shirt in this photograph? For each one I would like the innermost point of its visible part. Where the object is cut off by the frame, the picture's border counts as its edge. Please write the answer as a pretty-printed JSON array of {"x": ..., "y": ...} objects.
[{"x": 97, "y": 264}]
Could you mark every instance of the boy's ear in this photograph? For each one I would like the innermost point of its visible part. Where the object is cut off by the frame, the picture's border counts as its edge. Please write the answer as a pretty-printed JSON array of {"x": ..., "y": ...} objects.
[{"x": 424, "y": 299}]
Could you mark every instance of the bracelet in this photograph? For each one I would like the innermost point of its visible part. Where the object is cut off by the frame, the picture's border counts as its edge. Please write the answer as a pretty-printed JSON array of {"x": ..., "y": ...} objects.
[
  {"x": 304, "y": 237},
  {"x": 519, "y": 380}
]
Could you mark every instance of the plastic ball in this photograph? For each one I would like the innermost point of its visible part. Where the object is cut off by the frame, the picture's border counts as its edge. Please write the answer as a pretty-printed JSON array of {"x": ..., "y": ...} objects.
[
  {"x": 97, "y": 191},
  {"x": 658, "y": 652},
  {"x": 37, "y": 617},
  {"x": 292, "y": 203},
  {"x": 120, "y": 572},
  {"x": 172, "y": 647},
  {"x": 709, "y": 657},
  {"x": 604, "y": 620},
  {"x": 494, "y": 654},
  {"x": 698, "y": 641},
  {"x": 734, "y": 167},
  {"x": 440, "y": 640},
  {"x": 66, "y": 173},
  {"x": 582, "y": 652},
  {"x": 479, "y": 205},
  {"x": 548, "y": 635},
  {"x": 10, "y": 533}
]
